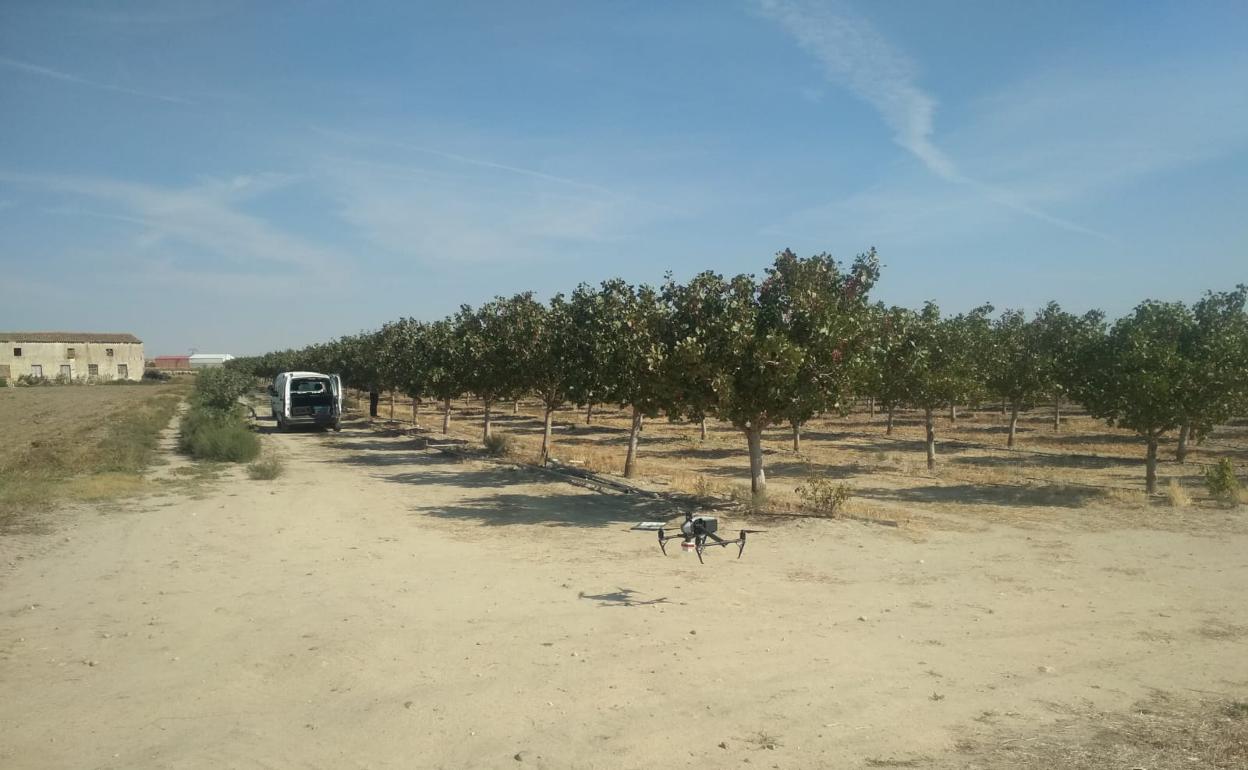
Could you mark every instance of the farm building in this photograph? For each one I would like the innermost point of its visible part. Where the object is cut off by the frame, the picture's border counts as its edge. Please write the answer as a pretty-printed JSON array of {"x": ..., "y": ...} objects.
[
  {"x": 71, "y": 355},
  {"x": 209, "y": 360},
  {"x": 170, "y": 364}
]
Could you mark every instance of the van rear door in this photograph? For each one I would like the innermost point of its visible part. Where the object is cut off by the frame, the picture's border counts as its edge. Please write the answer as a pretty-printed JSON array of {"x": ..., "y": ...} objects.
[{"x": 335, "y": 386}]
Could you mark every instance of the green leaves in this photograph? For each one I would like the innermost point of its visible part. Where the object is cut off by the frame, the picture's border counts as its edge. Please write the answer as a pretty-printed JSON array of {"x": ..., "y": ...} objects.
[{"x": 1134, "y": 376}]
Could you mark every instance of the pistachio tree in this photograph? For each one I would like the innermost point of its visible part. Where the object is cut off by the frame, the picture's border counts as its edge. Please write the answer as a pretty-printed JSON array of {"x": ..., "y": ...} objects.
[
  {"x": 588, "y": 350},
  {"x": 496, "y": 341},
  {"x": 694, "y": 313},
  {"x": 627, "y": 325},
  {"x": 1215, "y": 346},
  {"x": 444, "y": 377},
  {"x": 1060, "y": 338},
  {"x": 804, "y": 320},
  {"x": 940, "y": 366},
  {"x": 1017, "y": 370},
  {"x": 1135, "y": 376},
  {"x": 882, "y": 372},
  {"x": 552, "y": 372}
]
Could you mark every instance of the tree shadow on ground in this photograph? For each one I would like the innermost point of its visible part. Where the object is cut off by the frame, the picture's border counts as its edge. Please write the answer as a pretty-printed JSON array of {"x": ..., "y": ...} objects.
[
  {"x": 1090, "y": 462},
  {"x": 791, "y": 469},
  {"x": 1091, "y": 438},
  {"x": 1053, "y": 495},
  {"x": 822, "y": 435},
  {"x": 918, "y": 446},
  {"x": 695, "y": 453},
  {"x": 560, "y": 509},
  {"x": 621, "y": 597}
]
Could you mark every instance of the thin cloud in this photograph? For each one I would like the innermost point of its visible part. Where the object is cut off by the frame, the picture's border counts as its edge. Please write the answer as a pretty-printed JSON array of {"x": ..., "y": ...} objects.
[
  {"x": 856, "y": 56},
  {"x": 65, "y": 77},
  {"x": 201, "y": 224},
  {"x": 480, "y": 162}
]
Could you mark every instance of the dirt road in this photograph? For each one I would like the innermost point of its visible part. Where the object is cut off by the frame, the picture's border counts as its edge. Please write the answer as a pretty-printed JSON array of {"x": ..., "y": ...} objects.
[{"x": 383, "y": 606}]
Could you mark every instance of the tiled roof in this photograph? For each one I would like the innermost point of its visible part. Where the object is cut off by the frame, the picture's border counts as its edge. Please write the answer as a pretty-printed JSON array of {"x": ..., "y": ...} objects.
[{"x": 67, "y": 337}]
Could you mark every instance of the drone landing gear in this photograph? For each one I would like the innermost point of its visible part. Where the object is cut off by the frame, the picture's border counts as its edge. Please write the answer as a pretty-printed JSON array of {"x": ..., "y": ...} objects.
[{"x": 695, "y": 533}]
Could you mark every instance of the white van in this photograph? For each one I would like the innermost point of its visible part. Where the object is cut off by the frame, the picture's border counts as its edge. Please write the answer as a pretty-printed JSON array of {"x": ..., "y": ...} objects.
[{"x": 306, "y": 398}]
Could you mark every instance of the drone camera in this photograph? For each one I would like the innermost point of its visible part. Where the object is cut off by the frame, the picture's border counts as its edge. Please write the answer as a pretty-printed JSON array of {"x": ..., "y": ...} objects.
[{"x": 700, "y": 525}]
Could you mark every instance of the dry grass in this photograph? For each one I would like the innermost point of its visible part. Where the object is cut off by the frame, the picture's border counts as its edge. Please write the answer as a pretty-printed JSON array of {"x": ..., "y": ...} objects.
[
  {"x": 1177, "y": 496},
  {"x": 63, "y": 447},
  {"x": 265, "y": 469},
  {"x": 1160, "y": 732},
  {"x": 1134, "y": 498}
]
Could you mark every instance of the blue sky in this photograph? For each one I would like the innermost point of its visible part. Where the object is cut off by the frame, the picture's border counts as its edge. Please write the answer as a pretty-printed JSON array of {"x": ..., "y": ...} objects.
[{"x": 241, "y": 176}]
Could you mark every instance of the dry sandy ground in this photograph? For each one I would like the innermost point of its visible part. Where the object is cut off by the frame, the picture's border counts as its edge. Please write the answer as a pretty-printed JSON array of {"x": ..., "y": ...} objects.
[{"x": 382, "y": 606}]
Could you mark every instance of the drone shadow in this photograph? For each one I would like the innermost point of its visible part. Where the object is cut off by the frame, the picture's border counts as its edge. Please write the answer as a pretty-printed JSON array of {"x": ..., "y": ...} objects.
[{"x": 621, "y": 597}]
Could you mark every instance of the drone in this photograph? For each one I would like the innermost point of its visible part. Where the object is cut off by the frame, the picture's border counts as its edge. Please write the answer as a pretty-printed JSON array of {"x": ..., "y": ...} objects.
[{"x": 694, "y": 532}]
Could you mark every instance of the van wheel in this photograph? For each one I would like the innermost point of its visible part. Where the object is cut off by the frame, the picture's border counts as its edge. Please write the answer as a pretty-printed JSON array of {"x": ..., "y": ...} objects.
[{"x": 281, "y": 425}]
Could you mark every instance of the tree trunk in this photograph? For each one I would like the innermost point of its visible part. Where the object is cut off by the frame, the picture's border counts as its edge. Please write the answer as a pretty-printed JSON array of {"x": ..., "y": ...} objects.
[
  {"x": 550, "y": 413},
  {"x": 1057, "y": 414},
  {"x": 758, "y": 479},
  {"x": 630, "y": 460},
  {"x": 485, "y": 434},
  {"x": 1185, "y": 433},
  {"x": 392, "y": 404},
  {"x": 1150, "y": 467},
  {"x": 953, "y": 414},
  {"x": 415, "y": 412},
  {"x": 1003, "y": 405},
  {"x": 446, "y": 416},
  {"x": 888, "y": 426},
  {"x": 931, "y": 439},
  {"x": 702, "y": 423},
  {"x": 515, "y": 406},
  {"x": 871, "y": 407},
  {"x": 373, "y": 398},
  {"x": 589, "y": 412},
  {"x": 1009, "y": 442},
  {"x": 797, "y": 435}
]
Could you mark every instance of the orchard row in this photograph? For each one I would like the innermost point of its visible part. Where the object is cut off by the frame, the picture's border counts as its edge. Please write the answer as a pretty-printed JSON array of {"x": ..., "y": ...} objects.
[{"x": 801, "y": 341}]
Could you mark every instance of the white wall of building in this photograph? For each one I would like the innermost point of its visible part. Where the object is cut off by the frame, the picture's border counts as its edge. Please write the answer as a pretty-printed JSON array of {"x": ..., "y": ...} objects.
[{"x": 77, "y": 360}]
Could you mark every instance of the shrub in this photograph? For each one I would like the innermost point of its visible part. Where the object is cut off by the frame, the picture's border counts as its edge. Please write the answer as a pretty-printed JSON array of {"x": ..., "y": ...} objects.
[
  {"x": 209, "y": 435},
  {"x": 820, "y": 495},
  {"x": 219, "y": 389},
  {"x": 1221, "y": 481},
  {"x": 498, "y": 444},
  {"x": 265, "y": 470}
]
